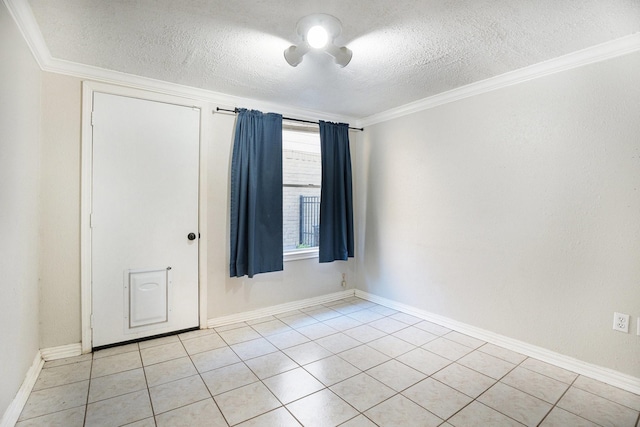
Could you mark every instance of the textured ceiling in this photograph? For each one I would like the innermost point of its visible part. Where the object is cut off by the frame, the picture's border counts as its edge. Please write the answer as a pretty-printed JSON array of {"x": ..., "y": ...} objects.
[{"x": 403, "y": 50}]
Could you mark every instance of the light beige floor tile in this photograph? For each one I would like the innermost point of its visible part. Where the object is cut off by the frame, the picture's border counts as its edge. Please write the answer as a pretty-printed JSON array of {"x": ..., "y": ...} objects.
[
  {"x": 115, "y": 350},
  {"x": 332, "y": 370},
  {"x": 254, "y": 348},
  {"x": 438, "y": 398},
  {"x": 346, "y": 308},
  {"x": 465, "y": 340},
  {"x": 502, "y": 353},
  {"x": 203, "y": 343},
  {"x": 465, "y": 380},
  {"x": 271, "y": 364},
  {"x": 162, "y": 353},
  {"x": 391, "y": 346},
  {"x": 385, "y": 311},
  {"x": 625, "y": 398},
  {"x": 400, "y": 411},
  {"x": 288, "y": 313},
  {"x": 359, "y": 421},
  {"x": 549, "y": 370},
  {"x": 287, "y": 339},
  {"x": 317, "y": 330},
  {"x": 597, "y": 409},
  {"x": 405, "y": 318},
  {"x": 214, "y": 359},
  {"x": 486, "y": 364},
  {"x": 195, "y": 334},
  {"x": 67, "y": 361},
  {"x": 338, "y": 343},
  {"x": 202, "y": 413},
  {"x": 246, "y": 402},
  {"x": 448, "y": 349},
  {"x": 171, "y": 339},
  {"x": 73, "y": 417},
  {"x": 424, "y": 361},
  {"x": 323, "y": 313},
  {"x": 147, "y": 422},
  {"x": 168, "y": 371},
  {"x": 365, "y": 316},
  {"x": 116, "y": 385},
  {"x": 299, "y": 320},
  {"x": 362, "y": 391},
  {"x": 364, "y": 333},
  {"x": 61, "y": 375},
  {"x": 388, "y": 325},
  {"x": 228, "y": 378},
  {"x": 516, "y": 404},
  {"x": 321, "y": 409},
  {"x": 119, "y": 410},
  {"x": 535, "y": 384},
  {"x": 271, "y": 327},
  {"x": 342, "y": 323},
  {"x": 278, "y": 417},
  {"x": 558, "y": 417},
  {"x": 238, "y": 335},
  {"x": 432, "y": 328},
  {"x": 293, "y": 385},
  {"x": 117, "y": 363},
  {"x": 55, "y": 399},
  {"x": 415, "y": 336},
  {"x": 166, "y": 397},
  {"x": 260, "y": 320},
  {"x": 476, "y": 414},
  {"x": 396, "y": 375},
  {"x": 364, "y": 357},
  {"x": 307, "y": 353},
  {"x": 230, "y": 326}
]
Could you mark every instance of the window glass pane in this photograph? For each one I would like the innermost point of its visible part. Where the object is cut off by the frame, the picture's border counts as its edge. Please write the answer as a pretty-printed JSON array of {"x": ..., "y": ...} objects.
[{"x": 301, "y": 179}]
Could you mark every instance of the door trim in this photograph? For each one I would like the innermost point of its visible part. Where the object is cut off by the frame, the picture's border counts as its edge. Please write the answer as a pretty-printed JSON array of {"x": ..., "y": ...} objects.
[{"x": 88, "y": 90}]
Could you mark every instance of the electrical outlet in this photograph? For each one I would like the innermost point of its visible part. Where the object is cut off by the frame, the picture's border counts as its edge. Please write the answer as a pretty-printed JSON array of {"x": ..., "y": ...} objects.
[
  {"x": 638, "y": 328},
  {"x": 344, "y": 280},
  {"x": 621, "y": 322}
]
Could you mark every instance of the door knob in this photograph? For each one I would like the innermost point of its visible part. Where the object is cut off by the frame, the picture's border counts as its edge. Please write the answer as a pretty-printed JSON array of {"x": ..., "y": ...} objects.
[{"x": 191, "y": 236}]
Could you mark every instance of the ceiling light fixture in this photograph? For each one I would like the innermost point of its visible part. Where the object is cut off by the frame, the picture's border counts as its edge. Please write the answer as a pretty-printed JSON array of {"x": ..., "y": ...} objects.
[{"x": 318, "y": 31}]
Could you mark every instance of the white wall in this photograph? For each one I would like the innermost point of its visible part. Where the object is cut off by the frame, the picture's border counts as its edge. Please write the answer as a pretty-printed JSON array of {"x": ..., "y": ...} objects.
[
  {"x": 60, "y": 211},
  {"x": 299, "y": 280},
  {"x": 19, "y": 178},
  {"x": 60, "y": 259},
  {"x": 516, "y": 211}
]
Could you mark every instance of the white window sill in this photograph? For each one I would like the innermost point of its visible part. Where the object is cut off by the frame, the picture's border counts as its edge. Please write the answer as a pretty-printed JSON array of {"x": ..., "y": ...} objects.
[{"x": 300, "y": 254}]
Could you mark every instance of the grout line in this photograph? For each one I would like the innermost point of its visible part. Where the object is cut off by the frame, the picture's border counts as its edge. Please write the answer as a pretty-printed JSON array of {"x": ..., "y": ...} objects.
[{"x": 347, "y": 315}]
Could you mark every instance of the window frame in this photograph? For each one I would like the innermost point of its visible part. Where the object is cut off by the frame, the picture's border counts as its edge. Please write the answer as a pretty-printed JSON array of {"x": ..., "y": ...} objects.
[{"x": 303, "y": 253}]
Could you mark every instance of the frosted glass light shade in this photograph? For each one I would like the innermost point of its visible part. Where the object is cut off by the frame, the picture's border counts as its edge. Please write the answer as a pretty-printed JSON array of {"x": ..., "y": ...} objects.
[{"x": 317, "y": 37}]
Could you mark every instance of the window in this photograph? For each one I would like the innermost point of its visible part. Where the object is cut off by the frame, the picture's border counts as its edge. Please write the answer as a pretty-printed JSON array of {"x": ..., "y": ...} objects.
[{"x": 301, "y": 180}]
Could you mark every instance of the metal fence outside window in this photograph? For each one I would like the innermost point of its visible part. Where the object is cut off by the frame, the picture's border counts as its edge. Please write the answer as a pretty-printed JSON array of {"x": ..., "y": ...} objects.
[{"x": 309, "y": 221}]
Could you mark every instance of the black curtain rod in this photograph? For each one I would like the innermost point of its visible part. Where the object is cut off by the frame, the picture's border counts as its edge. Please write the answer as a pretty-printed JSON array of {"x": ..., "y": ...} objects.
[{"x": 235, "y": 110}]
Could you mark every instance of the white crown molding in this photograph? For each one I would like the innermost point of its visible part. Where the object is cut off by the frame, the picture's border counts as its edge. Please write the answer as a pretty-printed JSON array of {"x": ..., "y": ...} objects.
[
  {"x": 26, "y": 22},
  {"x": 597, "y": 53},
  {"x": 609, "y": 376},
  {"x": 277, "y": 309},
  {"x": 11, "y": 415}
]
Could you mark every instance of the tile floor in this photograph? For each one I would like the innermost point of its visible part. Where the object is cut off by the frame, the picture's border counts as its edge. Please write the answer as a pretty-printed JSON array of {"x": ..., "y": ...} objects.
[{"x": 350, "y": 363}]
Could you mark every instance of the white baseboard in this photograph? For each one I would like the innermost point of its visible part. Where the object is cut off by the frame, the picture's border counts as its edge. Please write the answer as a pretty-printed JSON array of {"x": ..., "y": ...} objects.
[
  {"x": 14, "y": 410},
  {"x": 277, "y": 309},
  {"x": 61, "y": 352},
  {"x": 609, "y": 376}
]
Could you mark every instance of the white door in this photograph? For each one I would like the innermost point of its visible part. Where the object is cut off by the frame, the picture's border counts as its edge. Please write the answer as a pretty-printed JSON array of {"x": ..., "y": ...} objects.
[{"x": 144, "y": 219}]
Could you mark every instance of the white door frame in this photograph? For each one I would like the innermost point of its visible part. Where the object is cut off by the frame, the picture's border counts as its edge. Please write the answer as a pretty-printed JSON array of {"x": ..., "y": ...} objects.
[{"x": 88, "y": 89}]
